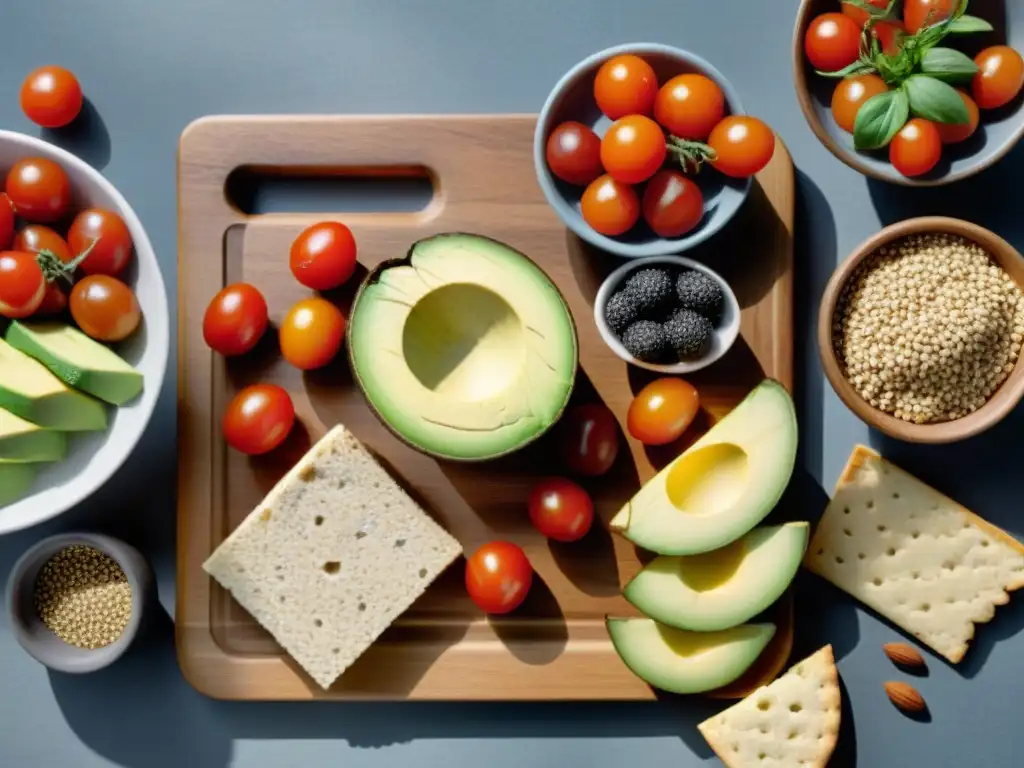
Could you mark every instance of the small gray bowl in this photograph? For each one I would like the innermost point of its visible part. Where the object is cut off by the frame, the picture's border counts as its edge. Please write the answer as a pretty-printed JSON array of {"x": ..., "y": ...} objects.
[
  {"x": 573, "y": 99},
  {"x": 37, "y": 639}
]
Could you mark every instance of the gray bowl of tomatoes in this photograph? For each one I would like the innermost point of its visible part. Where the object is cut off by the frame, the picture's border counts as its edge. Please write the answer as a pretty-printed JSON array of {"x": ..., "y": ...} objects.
[{"x": 644, "y": 150}]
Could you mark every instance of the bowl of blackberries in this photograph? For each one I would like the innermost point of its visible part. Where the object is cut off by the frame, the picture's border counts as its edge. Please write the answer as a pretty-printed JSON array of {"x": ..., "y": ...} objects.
[{"x": 667, "y": 314}]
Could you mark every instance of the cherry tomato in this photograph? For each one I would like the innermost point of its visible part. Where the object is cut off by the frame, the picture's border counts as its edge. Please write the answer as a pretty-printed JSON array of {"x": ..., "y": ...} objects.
[
  {"x": 574, "y": 153},
  {"x": 954, "y": 134},
  {"x": 633, "y": 149},
  {"x": 662, "y": 411},
  {"x": 498, "y": 576},
  {"x": 113, "y": 248},
  {"x": 22, "y": 285},
  {"x": 832, "y": 42},
  {"x": 235, "y": 319},
  {"x": 918, "y": 14},
  {"x": 1000, "y": 77},
  {"x": 743, "y": 145},
  {"x": 55, "y": 300},
  {"x": 672, "y": 204},
  {"x": 689, "y": 106},
  {"x": 917, "y": 148},
  {"x": 850, "y": 95},
  {"x": 258, "y": 419},
  {"x": 6, "y": 222},
  {"x": 560, "y": 509},
  {"x": 589, "y": 439},
  {"x": 859, "y": 15},
  {"x": 609, "y": 206},
  {"x": 323, "y": 256},
  {"x": 312, "y": 333},
  {"x": 890, "y": 36},
  {"x": 35, "y": 238},
  {"x": 38, "y": 189},
  {"x": 104, "y": 308},
  {"x": 51, "y": 97},
  {"x": 625, "y": 85}
]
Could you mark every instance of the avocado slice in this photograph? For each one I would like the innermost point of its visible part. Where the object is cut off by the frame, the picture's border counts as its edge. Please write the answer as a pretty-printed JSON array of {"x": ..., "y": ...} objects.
[
  {"x": 721, "y": 486},
  {"x": 465, "y": 349},
  {"x": 678, "y": 661},
  {"x": 24, "y": 441},
  {"x": 77, "y": 360},
  {"x": 722, "y": 588},
  {"x": 16, "y": 479},
  {"x": 29, "y": 390}
]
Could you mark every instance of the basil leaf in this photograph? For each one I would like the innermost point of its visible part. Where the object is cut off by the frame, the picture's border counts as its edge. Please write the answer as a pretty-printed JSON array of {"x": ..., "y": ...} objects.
[
  {"x": 857, "y": 68},
  {"x": 967, "y": 25},
  {"x": 936, "y": 101},
  {"x": 880, "y": 118},
  {"x": 948, "y": 65}
]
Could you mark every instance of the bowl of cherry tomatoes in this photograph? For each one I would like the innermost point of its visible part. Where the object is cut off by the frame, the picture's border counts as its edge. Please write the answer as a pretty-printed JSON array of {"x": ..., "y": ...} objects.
[
  {"x": 913, "y": 92},
  {"x": 644, "y": 150}
]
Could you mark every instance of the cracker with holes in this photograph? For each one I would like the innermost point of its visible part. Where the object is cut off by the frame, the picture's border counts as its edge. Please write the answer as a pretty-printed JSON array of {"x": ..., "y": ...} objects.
[
  {"x": 913, "y": 555},
  {"x": 332, "y": 556},
  {"x": 791, "y": 723}
]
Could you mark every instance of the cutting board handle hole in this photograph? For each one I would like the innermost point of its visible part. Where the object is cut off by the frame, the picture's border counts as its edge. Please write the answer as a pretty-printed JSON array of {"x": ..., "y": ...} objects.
[{"x": 257, "y": 190}]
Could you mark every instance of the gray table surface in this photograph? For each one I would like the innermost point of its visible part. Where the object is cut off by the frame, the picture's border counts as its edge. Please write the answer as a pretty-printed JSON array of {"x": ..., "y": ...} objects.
[{"x": 149, "y": 68}]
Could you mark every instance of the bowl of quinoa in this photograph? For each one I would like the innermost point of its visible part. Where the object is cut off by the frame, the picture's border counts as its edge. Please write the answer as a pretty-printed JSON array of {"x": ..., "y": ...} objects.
[{"x": 921, "y": 328}]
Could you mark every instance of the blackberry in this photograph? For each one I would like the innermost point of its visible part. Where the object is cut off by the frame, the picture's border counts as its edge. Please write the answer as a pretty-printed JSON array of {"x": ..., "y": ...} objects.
[
  {"x": 646, "y": 340},
  {"x": 651, "y": 290},
  {"x": 688, "y": 333},
  {"x": 700, "y": 293},
  {"x": 620, "y": 312}
]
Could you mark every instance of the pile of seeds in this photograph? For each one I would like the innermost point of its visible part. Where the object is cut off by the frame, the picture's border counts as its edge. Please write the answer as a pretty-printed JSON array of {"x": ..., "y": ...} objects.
[
  {"x": 928, "y": 328},
  {"x": 84, "y": 597}
]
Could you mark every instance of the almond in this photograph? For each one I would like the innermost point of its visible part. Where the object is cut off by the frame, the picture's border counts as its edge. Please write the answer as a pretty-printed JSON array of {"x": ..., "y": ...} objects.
[
  {"x": 905, "y": 696},
  {"x": 904, "y": 655}
]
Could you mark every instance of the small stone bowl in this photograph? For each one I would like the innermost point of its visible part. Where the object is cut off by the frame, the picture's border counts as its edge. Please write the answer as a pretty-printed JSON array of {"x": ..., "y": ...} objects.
[{"x": 37, "y": 639}]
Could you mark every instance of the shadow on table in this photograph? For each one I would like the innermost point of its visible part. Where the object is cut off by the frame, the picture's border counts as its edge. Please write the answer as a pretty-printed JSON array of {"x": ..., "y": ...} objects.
[{"x": 86, "y": 137}]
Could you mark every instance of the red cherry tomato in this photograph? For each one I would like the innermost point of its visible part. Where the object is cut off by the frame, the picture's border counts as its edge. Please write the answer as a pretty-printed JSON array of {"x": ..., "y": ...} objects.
[
  {"x": 323, "y": 256},
  {"x": 859, "y": 15},
  {"x": 673, "y": 204},
  {"x": 662, "y": 411},
  {"x": 498, "y": 577},
  {"x": 55, "y": 300},
  {"x": 609, "y": 206},
  {"x": 918, "y": 14},
  {"x": 51, "y": 97},
  {"x": 689, "y": 106},
  {"x": 560, "y": 509},
  {"x": 35, "y": 238},
  {"x": 743, "y": 145},
  {"x": 917, "y": 148},
  {"x": 573, "y": 153},
  {"x": 625, "y": 85},
  {"x": 235, "y": 319},
  {"x": 954, "y": 134},
  {"x": 850, "y": 95},
  {"x": 258, "y": 419},
  {"x": 38, "y": 189},
  {"x": 22, "y": 285},
  {"x": 832, "y": 42},
  {"x": 589, "y": 439},
  {"x": 633, "y": 149},
  {"x": 312, "y": 333},
  {"x": 104, "y": 308},
  {"x": 113, "y": 242},
  {"x": 1000, "y": 77},
  {"x": 6, "y": 223}
]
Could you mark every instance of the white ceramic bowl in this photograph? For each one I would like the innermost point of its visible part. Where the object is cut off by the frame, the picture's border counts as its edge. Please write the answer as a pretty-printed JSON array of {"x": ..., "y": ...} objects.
[
  {"x": 727, "y": 329},
  {"x": 93, "y": 457}
]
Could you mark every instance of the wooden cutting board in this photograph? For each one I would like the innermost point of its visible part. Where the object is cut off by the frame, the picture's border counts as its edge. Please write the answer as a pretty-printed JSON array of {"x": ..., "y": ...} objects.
[{"x": 555, "y": 646}]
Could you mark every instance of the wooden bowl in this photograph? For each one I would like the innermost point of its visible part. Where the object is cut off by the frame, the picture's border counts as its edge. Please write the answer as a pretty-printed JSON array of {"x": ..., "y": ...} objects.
[
  {"x": 1000, "y": 129},
  {"x": 1002, "y": 401}
]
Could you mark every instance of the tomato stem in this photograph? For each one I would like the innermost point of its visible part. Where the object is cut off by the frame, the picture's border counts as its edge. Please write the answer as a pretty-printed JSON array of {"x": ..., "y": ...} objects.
[
  {"x": 691, "y": 154},
  {"x": 53, "y": 268}
]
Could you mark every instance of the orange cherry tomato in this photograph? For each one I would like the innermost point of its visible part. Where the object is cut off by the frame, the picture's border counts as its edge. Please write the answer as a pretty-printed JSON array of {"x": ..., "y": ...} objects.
[
  {"x": 662, "y": 411},
  {"x": 258, "y": 419},
  {"x": 890, "y": 36},
  {"x": 917, "y": 148},
  {"x": 1000, "y": 77},
  {"x": 498, "y": 577},
  {"x": 51, "y": 97},
  {"x": 38, "y": 189},
  {"x": 918, "y": 14},
  {"x": 609, "y": 206},
  {"x": 312, "y": 333},
  {"x": 6, "y": 222},
  {"x": 625, "y": 85},
  {"x": 832, "y": 42},
  {"x": 55, "y": 300},
  {"x": 672, "y": 204},
  {"x": 588, "y": 439},
  {"x": 235, "y": 319},
  {"x": 35, "y": 238},
  {"x": 954, "y": 134},
  {"x": 22, "y": 285},
  {"x": 633, "y": 149},
  {"x": 573, "y": 153},
  {"x": 104, "y": 308},
  {"x": 113, "y": 241},
  {"x": 689, "y": 106},
  {"x": 743, "y": 145},
  {"x": 859, "y": 15},
  {"x": 323, "y": 256},
  {"x": 850, "y": 95},
  {"x": 560, "y": 509}
]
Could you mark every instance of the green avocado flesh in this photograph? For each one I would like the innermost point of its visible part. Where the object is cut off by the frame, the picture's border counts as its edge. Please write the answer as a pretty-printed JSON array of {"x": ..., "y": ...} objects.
[
  {"x": 28, "y": 389},
  {"x": 678, "y": 661},
  {"x": 467, "y": 351},
  {"x": 23, "y": 441},
  {"x": 16, "y": 480},
  {"x": 723, "y": 485},
  {"x": 723, "y": 588},
  {"x": 77, "y": 360}
]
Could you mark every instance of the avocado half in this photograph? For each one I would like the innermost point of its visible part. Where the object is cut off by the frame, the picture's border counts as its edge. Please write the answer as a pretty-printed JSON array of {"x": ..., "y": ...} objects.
[{"x": 464, "y": 349}]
